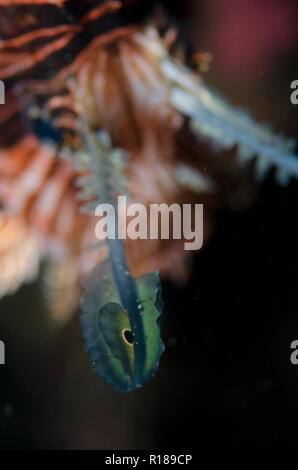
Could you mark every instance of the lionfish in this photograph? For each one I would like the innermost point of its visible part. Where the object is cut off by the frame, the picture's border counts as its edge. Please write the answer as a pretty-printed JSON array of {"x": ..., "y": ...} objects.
[{"x": 102, "y": 99}]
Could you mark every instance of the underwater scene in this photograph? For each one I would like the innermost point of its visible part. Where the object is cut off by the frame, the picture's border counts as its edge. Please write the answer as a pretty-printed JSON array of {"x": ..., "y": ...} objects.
[{"x": 148, "y": 226}]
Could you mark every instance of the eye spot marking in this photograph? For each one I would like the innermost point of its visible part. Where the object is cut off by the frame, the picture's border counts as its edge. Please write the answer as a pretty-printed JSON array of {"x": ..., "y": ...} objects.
[{"x": 128, "y": 336}]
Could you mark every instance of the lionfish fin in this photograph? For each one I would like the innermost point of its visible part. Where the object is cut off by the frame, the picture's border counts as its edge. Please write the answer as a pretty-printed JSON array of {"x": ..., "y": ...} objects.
[
  {"x": 212, "y": 118},
  {"x": 105, "y": 171},
  {"x": 20, "y": 255}
]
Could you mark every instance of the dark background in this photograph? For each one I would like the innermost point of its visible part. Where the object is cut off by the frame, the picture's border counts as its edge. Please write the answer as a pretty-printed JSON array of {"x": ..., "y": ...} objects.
[{"x": 226, "y": 380}]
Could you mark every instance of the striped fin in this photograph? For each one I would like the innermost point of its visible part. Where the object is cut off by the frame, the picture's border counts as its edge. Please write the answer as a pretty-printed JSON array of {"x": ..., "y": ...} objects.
[{"x": 45, "y": 38}]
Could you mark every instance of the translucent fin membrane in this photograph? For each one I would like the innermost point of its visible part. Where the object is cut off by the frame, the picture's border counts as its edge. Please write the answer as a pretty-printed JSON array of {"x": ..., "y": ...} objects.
[{"x": 124, "y": 357}]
